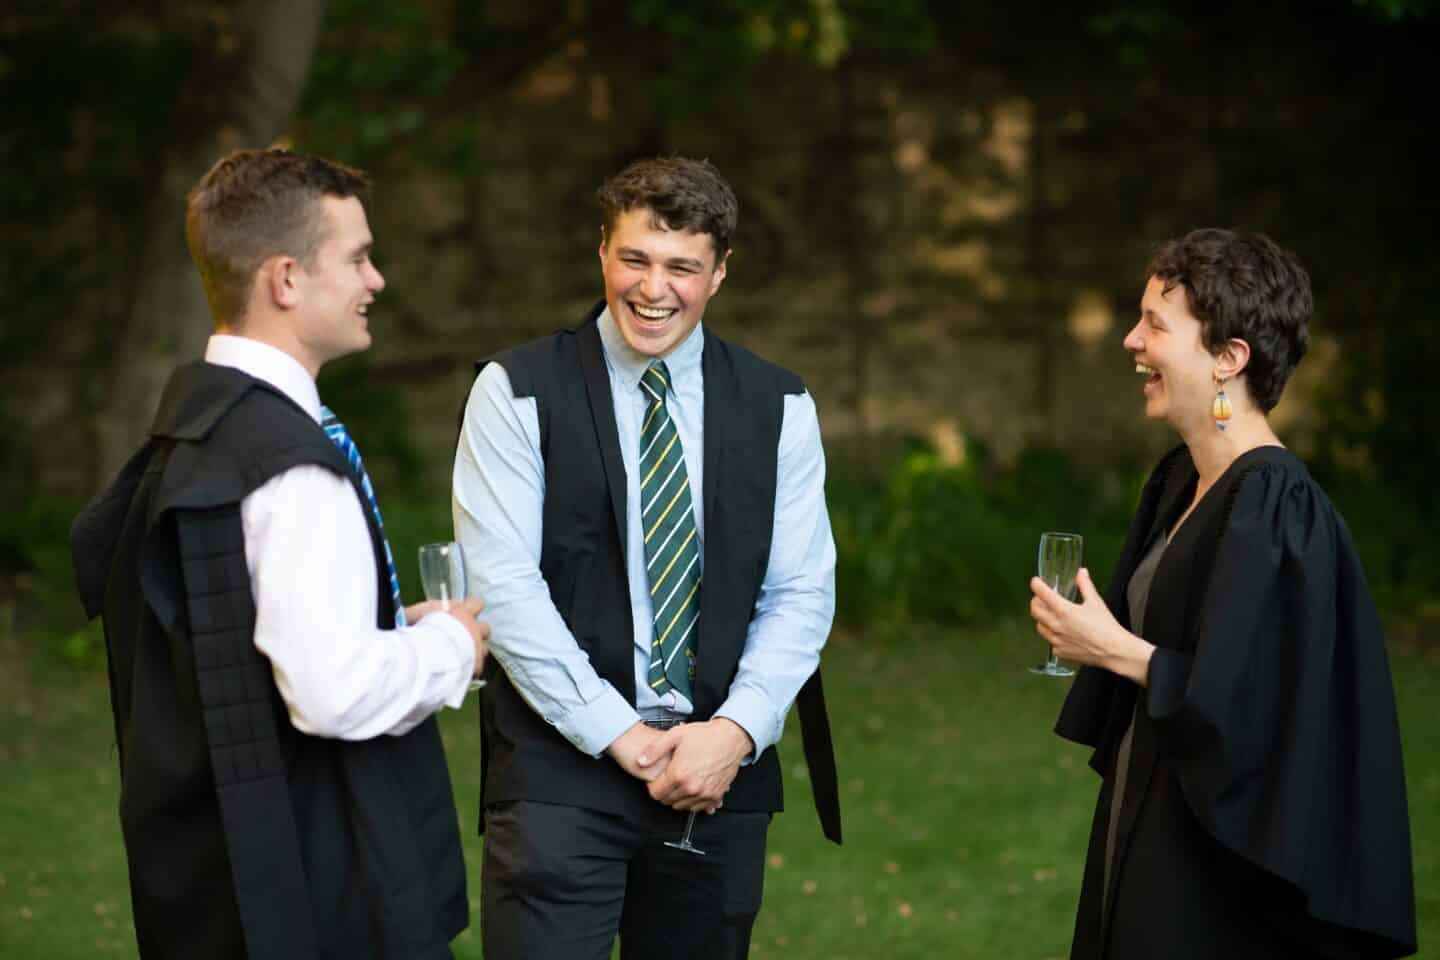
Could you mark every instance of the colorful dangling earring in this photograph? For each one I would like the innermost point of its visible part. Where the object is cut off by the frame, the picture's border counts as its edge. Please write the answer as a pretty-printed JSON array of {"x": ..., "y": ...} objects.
[{"x": 1220, "y": 409}]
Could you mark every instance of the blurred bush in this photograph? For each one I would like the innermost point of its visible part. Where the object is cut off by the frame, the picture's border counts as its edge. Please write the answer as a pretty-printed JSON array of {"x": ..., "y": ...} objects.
[
  {"x": 919, "y": 538},
  {"x": 923, "y": 539},
  {"x": 38, "y": 602},
  {"x": 1398, "y": 545}
]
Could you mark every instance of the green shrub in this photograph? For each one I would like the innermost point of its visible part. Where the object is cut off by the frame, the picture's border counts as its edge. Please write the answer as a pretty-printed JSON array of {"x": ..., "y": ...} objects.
[
  {"x": 38, "y": 602},
  {"x": 1398, "y": 544},
  {"x": 918, "y": 540},
  {"x": 931, "y": 541},
  {"x": 956, "y": 543}
]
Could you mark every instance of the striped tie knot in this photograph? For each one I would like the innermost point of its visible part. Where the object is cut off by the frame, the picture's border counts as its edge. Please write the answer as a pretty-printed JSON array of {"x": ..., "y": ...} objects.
[
  {"x": 672, "y": 548},
  {"x": 655, "y": 381}
]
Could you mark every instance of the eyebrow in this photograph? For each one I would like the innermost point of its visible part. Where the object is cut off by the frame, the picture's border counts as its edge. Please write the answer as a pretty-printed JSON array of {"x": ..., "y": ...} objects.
[{"x": 673, "y": 261}]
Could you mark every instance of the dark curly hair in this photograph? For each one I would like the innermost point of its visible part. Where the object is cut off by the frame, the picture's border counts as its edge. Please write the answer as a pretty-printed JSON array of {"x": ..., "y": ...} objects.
[
  {"x": 680, "y": 193},
  {"x": 1243, "y": 285}
]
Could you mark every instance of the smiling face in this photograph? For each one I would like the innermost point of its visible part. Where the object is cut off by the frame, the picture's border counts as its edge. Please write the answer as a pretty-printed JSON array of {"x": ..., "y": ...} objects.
[
  {"x": 657, "y": 281},
  {"x": 336, "y": 289},
  {"x": 1179, "y": 372}
]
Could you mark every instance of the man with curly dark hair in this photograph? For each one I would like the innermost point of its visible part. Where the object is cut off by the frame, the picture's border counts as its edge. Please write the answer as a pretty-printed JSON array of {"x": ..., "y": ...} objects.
[{"x": 642, "y": 505}]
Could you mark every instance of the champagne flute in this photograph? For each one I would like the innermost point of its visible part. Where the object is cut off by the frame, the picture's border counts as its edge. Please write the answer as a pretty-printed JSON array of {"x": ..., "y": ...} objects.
[
  {"x": 684, "y": 842},
  {"x": 442, "y": 575},
  {"x": 1059, "y": 564}
]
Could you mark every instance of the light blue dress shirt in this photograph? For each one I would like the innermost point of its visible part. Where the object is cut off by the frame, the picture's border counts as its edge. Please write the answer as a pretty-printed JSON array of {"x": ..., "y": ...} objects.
[{"x": 498, "y": 502}]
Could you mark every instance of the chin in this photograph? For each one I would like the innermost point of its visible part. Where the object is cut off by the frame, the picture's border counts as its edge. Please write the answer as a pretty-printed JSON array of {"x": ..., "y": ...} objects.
[
  {"x": 358, "y": 345},
  {"x": 650, "y": 346},
  {"x": 1161, "y": 415}
]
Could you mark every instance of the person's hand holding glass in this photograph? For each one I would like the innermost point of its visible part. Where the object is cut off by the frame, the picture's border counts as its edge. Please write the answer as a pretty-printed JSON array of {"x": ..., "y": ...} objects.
[
  {"x": 1073, "y": 618},
  {"x": 442, "y": 576}
]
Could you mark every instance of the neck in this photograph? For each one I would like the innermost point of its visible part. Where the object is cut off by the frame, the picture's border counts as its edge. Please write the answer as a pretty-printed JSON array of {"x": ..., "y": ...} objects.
[
  {"x": 1214, "y": 450},
  {"x": 277, "y": 335}
]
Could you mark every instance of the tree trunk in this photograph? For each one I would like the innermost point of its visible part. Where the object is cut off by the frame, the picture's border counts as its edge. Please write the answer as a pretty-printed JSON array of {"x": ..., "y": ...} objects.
[
  {"x": 169, "y": 319},
  {"x": 864, "y": 326}
]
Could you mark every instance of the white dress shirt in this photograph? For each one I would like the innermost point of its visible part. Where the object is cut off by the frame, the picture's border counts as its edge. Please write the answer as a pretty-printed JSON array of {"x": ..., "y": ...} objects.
[
  {"x": 499, "y": 495},
  {"x": 312, "y": 573}
]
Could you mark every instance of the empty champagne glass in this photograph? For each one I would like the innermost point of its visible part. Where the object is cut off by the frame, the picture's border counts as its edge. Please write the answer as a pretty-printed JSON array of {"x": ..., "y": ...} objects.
[
  {"x": 442, "y": 576},
  {"x": 684, "y": 842},
  {"x": 1059, "y": 564}
]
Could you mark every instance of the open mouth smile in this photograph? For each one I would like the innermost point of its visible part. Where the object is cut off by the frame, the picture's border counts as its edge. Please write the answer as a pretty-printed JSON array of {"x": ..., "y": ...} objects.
[
  {"x": 1151, "y": 374},
  {"x": 653, "y": 315}
]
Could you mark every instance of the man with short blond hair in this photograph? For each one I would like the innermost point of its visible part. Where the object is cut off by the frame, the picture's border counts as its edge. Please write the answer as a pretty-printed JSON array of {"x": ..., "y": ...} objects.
[{"x": 284, "y": 789}]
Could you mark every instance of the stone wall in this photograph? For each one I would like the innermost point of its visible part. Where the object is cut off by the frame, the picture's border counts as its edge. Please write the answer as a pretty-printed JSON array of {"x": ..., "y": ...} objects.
[
  {"x": 935, "y": 251},
  {"x": 946, "y": 243}
]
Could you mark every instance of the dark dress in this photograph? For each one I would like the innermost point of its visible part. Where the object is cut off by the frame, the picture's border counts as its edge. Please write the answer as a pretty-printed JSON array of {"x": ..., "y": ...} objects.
[{"x": 1263, "y": 810}]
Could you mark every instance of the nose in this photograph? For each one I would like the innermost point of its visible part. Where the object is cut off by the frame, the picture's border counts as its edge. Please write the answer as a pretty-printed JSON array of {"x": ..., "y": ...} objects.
[
  {"x": 1134, "y": 341},
  {"x": 376, "y": 281},
  {"x": 652, "y": 284}
]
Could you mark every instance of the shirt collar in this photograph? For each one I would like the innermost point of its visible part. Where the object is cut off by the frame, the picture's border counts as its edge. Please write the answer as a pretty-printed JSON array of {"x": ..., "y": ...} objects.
[
  {"x": 264, "y": 362},
  {"x": 683, "y": 362}
]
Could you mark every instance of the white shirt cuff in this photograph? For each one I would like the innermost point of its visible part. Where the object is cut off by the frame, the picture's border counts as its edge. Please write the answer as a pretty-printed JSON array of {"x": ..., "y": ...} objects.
[
  {"x": 593, "y": 726},
  {"x": 754, "y": 713},
  {"x": 459, "y": 638}
]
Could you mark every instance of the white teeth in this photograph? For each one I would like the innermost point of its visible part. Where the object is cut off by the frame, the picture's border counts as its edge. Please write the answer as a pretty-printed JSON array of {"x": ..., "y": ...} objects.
[
  {"x": 1147, "y": 370},
  {"x": 652, "y": 313}
]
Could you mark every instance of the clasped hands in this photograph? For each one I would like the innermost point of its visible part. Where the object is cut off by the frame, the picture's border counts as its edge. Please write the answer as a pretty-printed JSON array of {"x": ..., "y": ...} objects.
[
  {"x": 688, "y": 767},
  {"x": 1087, "y": 632}
]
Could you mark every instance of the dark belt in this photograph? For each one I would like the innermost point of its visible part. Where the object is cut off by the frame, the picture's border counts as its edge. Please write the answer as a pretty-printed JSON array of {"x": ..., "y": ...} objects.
[{"x": 663, "y": 719}]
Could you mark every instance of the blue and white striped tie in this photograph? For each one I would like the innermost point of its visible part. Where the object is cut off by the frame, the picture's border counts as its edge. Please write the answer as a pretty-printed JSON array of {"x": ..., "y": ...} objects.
[{"x": 335, "y": 430}]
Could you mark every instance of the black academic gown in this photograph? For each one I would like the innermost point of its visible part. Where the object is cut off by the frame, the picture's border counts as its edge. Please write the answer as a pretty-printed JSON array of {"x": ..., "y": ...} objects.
[
  {"x": 1264, "y": 812},
  {"x": 244, "y": 837}
]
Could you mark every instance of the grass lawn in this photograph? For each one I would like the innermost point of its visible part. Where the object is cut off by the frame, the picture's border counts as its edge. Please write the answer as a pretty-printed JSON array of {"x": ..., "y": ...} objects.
[{"x": 965, "y": 818}]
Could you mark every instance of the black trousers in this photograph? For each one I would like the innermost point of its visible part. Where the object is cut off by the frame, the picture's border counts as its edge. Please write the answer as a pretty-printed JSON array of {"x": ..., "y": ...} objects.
[{"x": 559, "y": 883}]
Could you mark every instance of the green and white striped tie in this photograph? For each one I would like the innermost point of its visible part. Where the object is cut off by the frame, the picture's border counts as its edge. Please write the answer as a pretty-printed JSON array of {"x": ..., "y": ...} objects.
[{"x": 672, "y": 551}]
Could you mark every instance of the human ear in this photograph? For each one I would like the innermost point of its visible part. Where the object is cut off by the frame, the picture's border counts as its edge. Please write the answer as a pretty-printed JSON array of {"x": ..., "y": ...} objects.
[
  {"x": 1232, "y": 359},
  {"x": 281, "y": 281},
  {"x": 718, "y": 276}
]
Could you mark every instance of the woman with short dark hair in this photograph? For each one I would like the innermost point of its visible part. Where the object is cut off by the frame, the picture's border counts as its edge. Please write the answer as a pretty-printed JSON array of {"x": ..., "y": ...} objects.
[{"x": 1235, "y": 684}]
